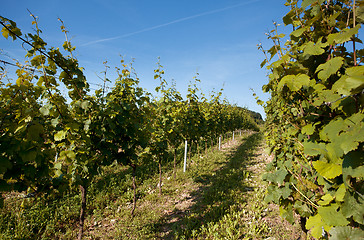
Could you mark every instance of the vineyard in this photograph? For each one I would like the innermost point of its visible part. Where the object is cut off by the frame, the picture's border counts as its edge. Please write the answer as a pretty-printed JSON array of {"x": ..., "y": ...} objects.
[
  {"x": 53, "y": 144},
  {"x": 70, "y": 163}
]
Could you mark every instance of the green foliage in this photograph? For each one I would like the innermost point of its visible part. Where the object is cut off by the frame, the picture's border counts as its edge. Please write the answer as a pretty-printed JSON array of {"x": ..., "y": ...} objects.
[
  {"x": 315, "y": 118},
  {"x": 51, "y": 144}
]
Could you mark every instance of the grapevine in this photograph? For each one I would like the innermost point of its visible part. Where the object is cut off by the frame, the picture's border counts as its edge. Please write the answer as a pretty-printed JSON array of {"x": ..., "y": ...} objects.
[{"x": 315, "y": 118}]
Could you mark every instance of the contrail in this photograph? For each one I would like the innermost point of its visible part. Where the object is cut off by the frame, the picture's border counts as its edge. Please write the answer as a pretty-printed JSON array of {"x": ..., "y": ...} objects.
[{"x": 170, "y": 23}]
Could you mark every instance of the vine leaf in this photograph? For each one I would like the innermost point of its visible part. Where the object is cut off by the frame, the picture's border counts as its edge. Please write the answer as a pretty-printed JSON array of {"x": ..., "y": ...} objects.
[
  {"x": 294, "y": 82},
  {"x": 275, "y": 193},
  {"x": 353, "y": 166},
  {"x": 325, "y": 199},
  {"x": 343, "y": 36},
  {"x": 353, "y": 208},
  {"x": 309, "y": 129},
  {"x": 287, "y": 213},
  {"x": 60, "y": 135},
  {"x": 352, "y": 82},
  {"x": 306, "y": 3},
  {"x": 44, "y": 110},
  {"x": 331, "y": 216},
  {"x": 276, "y": 177},
  {"x": 340, "y": 193},
  {"x": 313, "y": 149},
  {"x": 360, "y": 12},
  {"x": 347, "y": 232},
  {"x": 327, "y": 170},
  {"x": 329, "y": 68},
  {"x": 312, "y": 49},
  {"x": 298, "y": 32},
  {"x": 315, "y": 223}
]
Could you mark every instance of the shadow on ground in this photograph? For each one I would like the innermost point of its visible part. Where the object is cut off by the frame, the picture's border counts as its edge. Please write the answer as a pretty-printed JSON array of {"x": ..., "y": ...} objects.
[{"x": 220, "y": 189}]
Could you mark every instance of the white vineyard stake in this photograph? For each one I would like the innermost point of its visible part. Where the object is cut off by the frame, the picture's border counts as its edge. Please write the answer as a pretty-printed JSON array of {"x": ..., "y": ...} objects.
[
  {"x": 185, "y": 159},
  {"x": 219, "y": 143}
]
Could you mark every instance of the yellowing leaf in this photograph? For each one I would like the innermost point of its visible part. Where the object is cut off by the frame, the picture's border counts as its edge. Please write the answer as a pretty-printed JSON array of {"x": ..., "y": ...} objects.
[
  {"x": 326, "y": 199},
  {"x": 59, "y": 136},
  {"x": 327, "y": 170},
  {"x": 316, "y": 224}
]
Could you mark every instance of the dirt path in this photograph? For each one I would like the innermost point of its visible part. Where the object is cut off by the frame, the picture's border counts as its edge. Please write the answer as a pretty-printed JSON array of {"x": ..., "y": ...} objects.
[{"x": 229, "y": 202}]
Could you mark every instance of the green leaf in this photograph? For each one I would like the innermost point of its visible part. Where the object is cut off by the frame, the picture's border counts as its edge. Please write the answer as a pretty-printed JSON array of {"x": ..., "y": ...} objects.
[
  {"x": 331, "y": 131},
  {"x": 309, "y": 129},
  {"x": 331, "y": 216},
  {"x": 306, "y": 3},
  {"x": 327, "y": 170},
  {"x": 325, "y": 199},
  {"x": 287, "y": 19},
  {"x": 343, "y": 36},
  {"x": 352, "y": 82},
  {"x": 294, "y": 82},
  {"x": 275, "y": 193},
  {"x": 315, "y": 223},
  {"x": 58, "y": 168},
  {"x": 21, "y": 128},
  {"x": 28, "y": 155},
  {"x": 71, "y": 154},
  {"x": 276, "y": 177},
  {"x": 287, "y": 213},
  {"x": 60, "y": 135},
  {"x": 352, "y": 207},
  {"x": 340, "y": 193},
  {"x": 329, "y": 68},
  {"x": 85, "y": 104},
  {"x": 44, "y": 110},
  {"x": 302, "y": 209},
  {"x": 314, "y": 149},
  {"x": 346, "y": 233},
  {"x": 35, "y": 131},
  {"x": 54, "y": 122},
  {"x": 334, "y": 153},
  {"x": 353, "y": 165},
  {"x": 263, "y": 63},
  {"x": 298, "y": 32},
  {"x": 58, "y": 165},
  {"x": 332, "y": 19},
  {"x": 312, "y": 49},
  {"x": 360, "y": 12}
]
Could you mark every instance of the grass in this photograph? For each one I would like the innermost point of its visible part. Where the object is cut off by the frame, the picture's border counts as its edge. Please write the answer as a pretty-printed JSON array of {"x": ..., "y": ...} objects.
[{"x": 219, "y": 197}]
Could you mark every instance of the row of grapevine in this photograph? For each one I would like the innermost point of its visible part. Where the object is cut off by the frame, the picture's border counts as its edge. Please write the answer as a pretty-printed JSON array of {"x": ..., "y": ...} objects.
[
  {"x": 315, "y": 118},
  {"x": 50, "y": 143}
]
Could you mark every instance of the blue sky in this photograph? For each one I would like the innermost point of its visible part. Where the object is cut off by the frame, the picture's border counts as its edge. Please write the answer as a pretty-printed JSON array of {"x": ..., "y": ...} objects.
[{"x": 217, "y": 39}]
